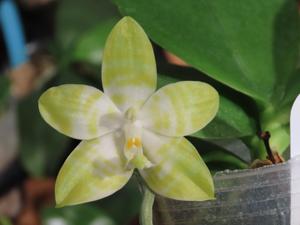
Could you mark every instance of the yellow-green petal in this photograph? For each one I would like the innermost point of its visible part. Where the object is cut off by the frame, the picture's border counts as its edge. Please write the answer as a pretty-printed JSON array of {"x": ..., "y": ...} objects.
[
  {"x": 128, "y": 68},
  {"x": 181, "y": 173},
  {"x": 180, "y": 109},
  {"x": 94, "y": 170},
  {"x": 79, "y": 111}
]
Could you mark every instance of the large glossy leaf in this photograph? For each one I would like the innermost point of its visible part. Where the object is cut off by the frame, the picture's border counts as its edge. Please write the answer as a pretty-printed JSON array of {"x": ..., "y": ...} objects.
[
  {"x": 292, "y": 90},
  {"x": 251, "y": 46},
  {"x": 231, "y": 119}
]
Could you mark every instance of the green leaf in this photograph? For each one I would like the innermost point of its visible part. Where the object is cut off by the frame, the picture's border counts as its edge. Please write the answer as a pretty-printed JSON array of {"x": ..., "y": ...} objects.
[
  {"x": 79, "y": 215},
  {"x": 108, "y": 208},
  {"x": 89, "y": 46},
  {"x": 251, "y": 46},
  {"x": 123, "y": 213},
  {"x": 216, "y": 157},
  {"x": 73, "y": 18},
  {"x": 41, "y": 147},
  {"x": 292, "y": 90},
  {"x": 231, "y": 119}
]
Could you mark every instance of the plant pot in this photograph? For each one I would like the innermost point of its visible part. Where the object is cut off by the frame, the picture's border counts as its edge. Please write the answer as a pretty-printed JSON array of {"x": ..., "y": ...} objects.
[{"x": 265, "y": 196}]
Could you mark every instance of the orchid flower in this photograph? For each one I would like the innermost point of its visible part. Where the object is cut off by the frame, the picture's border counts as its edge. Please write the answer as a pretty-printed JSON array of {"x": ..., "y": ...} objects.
[{"x": 129, "y": 127}]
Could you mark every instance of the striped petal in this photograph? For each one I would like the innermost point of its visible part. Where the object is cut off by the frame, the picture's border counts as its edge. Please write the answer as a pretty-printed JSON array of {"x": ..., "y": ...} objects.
[
  {"x": 128, "y": 68},
  {"x": 94, "y": 170},
  {"x": 181, "y": 173},
  {"x": 79, "y": 111},
  {"x": 180, "y": 109}
]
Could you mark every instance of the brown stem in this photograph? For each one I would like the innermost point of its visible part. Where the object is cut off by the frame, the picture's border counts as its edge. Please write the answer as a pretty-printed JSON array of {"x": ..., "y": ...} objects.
[{"x": 265, "y": 136}]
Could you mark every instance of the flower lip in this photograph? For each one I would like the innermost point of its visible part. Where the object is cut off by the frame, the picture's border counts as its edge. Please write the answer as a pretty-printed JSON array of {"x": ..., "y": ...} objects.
[{"x": 133, "y": 146}]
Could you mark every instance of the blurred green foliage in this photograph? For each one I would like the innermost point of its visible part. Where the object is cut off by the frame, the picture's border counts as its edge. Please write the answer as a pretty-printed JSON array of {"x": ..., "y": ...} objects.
[
  {"x": 4, "y": 92},
  {"x": 112, "y": 210},
  {"x": 89, "y": 46},
  {"x": 40, "y": 148},
  {"x": 81, "y": 29},
  {"x": 5, "y": 221},
  {"x": 77, "y": 215}
]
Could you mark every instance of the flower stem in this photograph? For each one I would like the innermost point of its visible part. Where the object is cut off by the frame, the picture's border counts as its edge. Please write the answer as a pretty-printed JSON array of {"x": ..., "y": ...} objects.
[
  {"x": 265, "y": 136},
  {"x": 146, "y": 217}
]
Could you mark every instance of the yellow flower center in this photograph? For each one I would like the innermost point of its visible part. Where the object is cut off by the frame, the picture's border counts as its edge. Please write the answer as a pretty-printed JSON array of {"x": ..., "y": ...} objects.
[
  {"x": 133, "y": 142},
  {"x": 133, "y": 148}
]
